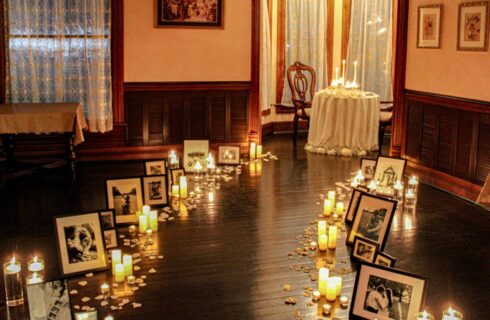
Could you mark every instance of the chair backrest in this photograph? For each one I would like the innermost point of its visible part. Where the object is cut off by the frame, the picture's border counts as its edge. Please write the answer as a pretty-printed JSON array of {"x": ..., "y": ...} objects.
[{"x": 300, "y": 83}]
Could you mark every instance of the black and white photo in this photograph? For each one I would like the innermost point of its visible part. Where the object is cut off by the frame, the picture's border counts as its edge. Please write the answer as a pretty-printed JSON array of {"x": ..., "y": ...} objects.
[
  {"x": 110, "y": 238},
  {"x": 175, "y": 175},
  {"x": 49, "y": 300},
  {"x": 389, "y": 170},
  {"x": 107, "y": 219},
  {"x": 368, "y": 166},
  {"x": 125, "y": 197},
  {"x": 364, "y": 249},
  {"x": 229, "y": 155},
  {"x": 354, "y": 201},
  {"x": 155, "y": 168},
  {"x": 155, "y": 190},
  {"x": 89, "y": 315},
  {"x": 195, "y": 151},
  {"x": 385, "y": 260}
]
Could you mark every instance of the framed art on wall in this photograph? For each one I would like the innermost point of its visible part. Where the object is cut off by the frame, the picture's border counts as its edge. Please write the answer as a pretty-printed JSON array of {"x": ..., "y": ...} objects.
[
  {"x": 189, "y": 13},
  {"x": 81, "y": 245},
  {"x": 125, "y": 197},
  {"x": 429, "y": 29},
  {"x": 155, "y": 190},
  {"x": 49, "y": 300},
  {"x": 473, "y": 26},
  {"x": 195, "y": 151}
]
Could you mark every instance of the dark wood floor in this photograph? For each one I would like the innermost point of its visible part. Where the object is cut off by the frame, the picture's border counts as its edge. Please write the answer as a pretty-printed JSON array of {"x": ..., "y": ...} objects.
[{"x": 229, "y": 258}]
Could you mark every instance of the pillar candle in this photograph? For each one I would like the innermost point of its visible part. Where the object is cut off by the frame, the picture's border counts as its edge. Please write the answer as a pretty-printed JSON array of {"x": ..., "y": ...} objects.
[
  {"x": 153, "y": 217},
  {"x": 143, "y": 223},
  {"x": 327, "y": 207},
  {"x": 424, "y": 315},
  {"x": 451, "y": 314},
  {"x": 259, "y": 151},
  {"x": 322, "y": 228},
  {"x": 338, "y": 285},
  {"x": 35, "y": 278},
  {"x": 323, "y": 242},
  {"x": 13, "y": 283},
  {"x": 332, "y": 237},
  {"x": 128, "y": 265},
  {"x": 331, "y": 197},
  {"x": 340, "y": 209},
  {"x": 322, "y": 280},
  {"x": 146, "y": 209},
  {"x": 331, "y": 289},
  {"x": 253, "y": 149},
  {"x": 183, "y": 187},
  {"x": 116, "y": 258},
  {"x": 175, "y": 190},
  {"x": 119, "y": 274}
]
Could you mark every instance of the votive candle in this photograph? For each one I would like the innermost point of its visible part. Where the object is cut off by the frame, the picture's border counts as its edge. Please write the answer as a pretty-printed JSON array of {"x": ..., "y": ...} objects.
[
  {"x": 35, "y": 265},
  {"x": 451, "y": 314},
  {"x": 332, "y": 237},
  {"x": 104, "y": 288},
  {"x": 344, "y": 301},
  {"x": 326, "y": 309},
  {"x": 13, "y": 283},
  {"x": 322, "y": 280},
  {"x": 119, "y": 275},
  {"x": 128, "y": 265},
  {"x": 35, "y": 278},
  {"x": 315, "y": 296}
]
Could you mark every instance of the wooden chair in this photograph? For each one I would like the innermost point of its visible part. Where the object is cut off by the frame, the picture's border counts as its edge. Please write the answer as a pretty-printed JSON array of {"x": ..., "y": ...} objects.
[
  {"x": 303, "y": 90},
  {"x": 385, "y": 116}
]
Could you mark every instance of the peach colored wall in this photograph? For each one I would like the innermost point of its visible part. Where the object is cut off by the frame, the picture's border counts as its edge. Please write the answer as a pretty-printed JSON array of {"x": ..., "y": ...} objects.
[
  {"x": 446, "y": 71},
  {"x": 184, "y": 54}
]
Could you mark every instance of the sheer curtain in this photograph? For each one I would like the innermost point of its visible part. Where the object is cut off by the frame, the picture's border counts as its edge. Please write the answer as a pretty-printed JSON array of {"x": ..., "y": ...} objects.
[
  {"x": 306, "y": 33},
  {"x": 265, "y": 57},
  {"x": 370, "y": 43},
  {"x": 60, "y": 51}
]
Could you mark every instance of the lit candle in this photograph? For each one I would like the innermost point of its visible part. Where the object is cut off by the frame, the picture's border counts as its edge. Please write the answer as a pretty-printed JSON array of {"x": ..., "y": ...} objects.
[
  {"x": 210, "y": 162},
  {"x": 340, "y": 209},
  {"x": 331, "y": 289},
  {"x": 128, "y": 265},
  {"x": 451, "y": 314},
  {"x": 327, "y": 207},
  {"x": 175, "y": 190},
  {"x": 323, "y": 242},
  {"x": 35, "y": 278},
  {"x": 355, "y": 71},
  {"x": 313, "y": 245},
  {"x": 326, "y": 309},
  {"x": 13, "y": 283},
  {"x": 211, "y": 196},
  {"x": 332, "y": 237},
  {"x": 143, "y": 223},
  {"x": 315, "y": 296},
  {"x": 253, "y": 149},
  {"x": 104, "y": 288},
  {"x": 344, "y": 301},
  {"x": 398, "y": 187},
  {"x": 372, "y": 186},
  {"x": 413, "y": 182},
  {"x": 259, "y": 151},
  {"x": 149, "y": 232},
  {"x": 153, "y": 216},
  {"x": 131, "y": 279},
  {"x": 35, "y": 265},
  {"x": 338, "y": 285},
  {"x": 354, "y": 183},
  {"x": 359, "y": 177},
  {"x": 146, "y": 209},
  {"x": 119, "y": 275},
  {"x": 322, "y": 228},
  {"x": 336, "y": 74},
  {"x": 424, "y": 316},
  {"x": 109, "y": 318},
  {"x": 331, "y": 197},
  {"x": 343, "y": 69},
  {"x": 183, "y": 187},
  {"x": 116, "y": 259},
  {"x": 173, "y": 158},
  {"x": 322, "y": 280},
  {"x": 197, "y": 170},
  {"x": 132, "y": 228}
]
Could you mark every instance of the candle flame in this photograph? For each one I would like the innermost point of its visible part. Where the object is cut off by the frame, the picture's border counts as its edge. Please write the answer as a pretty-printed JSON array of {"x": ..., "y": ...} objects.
[
  {"x": 425, "y": 314},
  {"x": 13, "y": 261},
  {"x": 450, "y": 311}
]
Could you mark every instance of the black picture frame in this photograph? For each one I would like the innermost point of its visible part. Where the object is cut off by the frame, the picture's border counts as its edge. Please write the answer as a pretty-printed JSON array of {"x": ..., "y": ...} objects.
[
  {"x": 62, "y": 247},
  {"x": 369, "y": 200},
  {"x": 368, "y": 176},
  {"x": 175, "y": 175},
  {"x": 148, "y": 168},
  {"x": 221, "y": 159},
  {"x": 353, "y": 202},
  {"x": 109, "y": 229},
  {"x": 37, "y": 294},
  {"x": 164, "y": 193},
  {"x": 357, "y": 309},
  {"x": 124, "y": 219},
  {"x": 86, "y": 315},
  {"x": 164, "y": 17},
  {"x": 389, "y": 260},
  {"x": 380, "y": 165},
  {"x": 358, "y": 241}
]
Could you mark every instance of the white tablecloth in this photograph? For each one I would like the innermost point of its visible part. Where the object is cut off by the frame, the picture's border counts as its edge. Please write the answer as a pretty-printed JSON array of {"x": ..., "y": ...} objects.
[{"x": 344, "y": 125}]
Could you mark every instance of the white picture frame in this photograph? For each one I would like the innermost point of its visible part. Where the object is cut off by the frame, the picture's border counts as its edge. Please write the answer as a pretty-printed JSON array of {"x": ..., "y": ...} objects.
[{"x": 195, "y": 150}]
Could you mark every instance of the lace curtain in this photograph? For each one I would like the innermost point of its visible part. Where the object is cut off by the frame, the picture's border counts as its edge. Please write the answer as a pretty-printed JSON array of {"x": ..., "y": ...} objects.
[
  {"x": 60, "y": 51},
  {"x": 306, "y": 33},
  {"x": 265, "y": 57},
  {"x": 370, "y": 43}
]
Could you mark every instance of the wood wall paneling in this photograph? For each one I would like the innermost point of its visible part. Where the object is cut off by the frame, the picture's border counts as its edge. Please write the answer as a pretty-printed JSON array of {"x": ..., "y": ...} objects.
[
  {"x": 117, "y": 57},
  {"x": 482, "y": 167},
  {"x": 3, "y": 55}
]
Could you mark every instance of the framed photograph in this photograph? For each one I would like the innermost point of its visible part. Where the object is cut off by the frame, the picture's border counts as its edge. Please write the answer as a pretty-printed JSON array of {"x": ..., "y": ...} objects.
[
  {"x": 156, "y": 168},
  {"x": 155, "y": 190},
  {"x": 354, "y": 200},
  {"x": 372, "y": 219},
  {"x": 386, "y": 293},
  {"x": 429, "y": 29},
  {"x": 108, "y": 222},
  {"x": 229, "y": 155},
  {"x": 364, "y": 249},
  {"x": 473, "y": 26},
  {"x": 175, "y": 175},
  {"x": 125, "y": 197},
  {"x": 194, "y": 151},
  {"x": 81, "y": 246},
  {"x": 89, "y": 315},
  {"x": 189, "y": 13},
  {"x": 49, "y": 300},
  {"x": 368, "y": 166},
  {"x": 389, "y": 170},
  {"x": 382, "y": 259}
]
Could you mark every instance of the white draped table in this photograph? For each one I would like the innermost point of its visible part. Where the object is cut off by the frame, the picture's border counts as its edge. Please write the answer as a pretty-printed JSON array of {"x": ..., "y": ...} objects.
[{"x": 344, "y": 124}]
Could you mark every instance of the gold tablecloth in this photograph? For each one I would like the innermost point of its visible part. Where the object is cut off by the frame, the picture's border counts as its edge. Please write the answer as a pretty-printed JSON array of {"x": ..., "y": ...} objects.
[{"x": 43, "y": 118}]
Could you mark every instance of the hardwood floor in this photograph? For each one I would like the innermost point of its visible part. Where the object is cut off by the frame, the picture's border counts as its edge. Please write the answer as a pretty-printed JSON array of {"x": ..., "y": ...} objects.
[{"x": 228, "y": 259}]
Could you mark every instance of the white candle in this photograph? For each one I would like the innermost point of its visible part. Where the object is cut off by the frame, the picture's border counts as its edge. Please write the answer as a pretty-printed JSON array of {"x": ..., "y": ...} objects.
[
  {"x": 183, "y": 187},
  {"x": 336, "y": 74},
  {"x": 355, "y": 71},
  {"x": 424, "y": 316},
  {"x": 326, "y": 309},
  {"x": 210, "y": 196},
  {"x": 322, "y": 228},
  {"x": 210, "y": 162},
  {"x": 132, "y": 228},
  {"x": 323, "y": 242},
  {"x": 338, "y": 285},
  {"x": 372, "y": 186},
  {"x": 340, "y": 209},
  {"x": 322, "y": 280},
  {"x": 128, "y": 265},
  {"x": 315, "y": 296},
  {"x": 359, "y": 177},
  {"x": 116, "y": 258},
  {"x": 143, "y": 223},
  {"x": 104, "y": 288},
  {"x": 173, "y": 158},
  {"x": 259, "y": 151},
  {"x": 35, "y": 265},
  {"x": 253, "y": 149},
  {"x": 331, "y": 289},
  {"x": 451, "y": 314},
  {"x": 35, "y": 278},
  {"x": 146, "y": 209},
  {"x": 153, "y": 216},
  {"x": 327, "y": 207},
  {"x": 13, "y": 283},
  {"x": 175, "y": 190},
  {"x": 119, "y": 274},
  {"x": 331, "y": 197},
  {"x": 131, "y": 279},
  {"x": 332, "y": 237},
  {"x": 344, "y": 301}
]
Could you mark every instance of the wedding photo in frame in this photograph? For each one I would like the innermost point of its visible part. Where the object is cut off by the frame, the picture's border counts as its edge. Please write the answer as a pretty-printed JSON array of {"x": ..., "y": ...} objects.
[
  {"x": 155, "y": 190},
  {"x": 156, "y": 167},
  {"x": 389, "y": 170},
  {"x": 189, "y": 13},
  {"x": 473, "y": 26},
  {"x": 385, "y": 260},
  {"x": 386, "y": 293},
  {"x": 108, "y": 222},
  {"x": 354, "y": 200},
  {"x": 364, "y": 249},
  {"x": 229, "y": 155},
  {"x": 125, "y": 196},
  {"x": 49, "y": 300},
  {"x": 429, "y": 27},
  {"x": 372, "y": 219},
  {"x": 80, "y": 243}
]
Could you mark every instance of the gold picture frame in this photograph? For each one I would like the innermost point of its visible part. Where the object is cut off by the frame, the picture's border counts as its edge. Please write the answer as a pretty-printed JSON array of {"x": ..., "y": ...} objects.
[
  {"x": 429, "y": 26},
  {"x": 473, "y": 26}
]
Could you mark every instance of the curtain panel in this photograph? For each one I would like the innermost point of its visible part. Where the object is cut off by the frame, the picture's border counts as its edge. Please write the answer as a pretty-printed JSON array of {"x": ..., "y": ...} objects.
[
  {"x": 60, "y": 51},
  {"x": 265, "y": 57}
]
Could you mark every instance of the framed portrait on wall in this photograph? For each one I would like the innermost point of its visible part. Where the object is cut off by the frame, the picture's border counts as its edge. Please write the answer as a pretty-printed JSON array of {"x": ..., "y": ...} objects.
[
  {"x": 473, "y": 26},
  {"x": 189, "y": 13},
  {"x": 429, "y": 27}
]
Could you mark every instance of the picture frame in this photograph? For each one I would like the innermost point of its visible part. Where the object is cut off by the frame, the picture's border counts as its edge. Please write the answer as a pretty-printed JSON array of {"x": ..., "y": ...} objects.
[
  {"x": 88, "y": 315},
  {"x": 108, "y": 222},
  {"x": 195, "y": 150},
  {"x": 375, "y": 282},
  {"x": 368, "y": 167},
  {"x": 364, "y": 249},
  {"x": 125, "y": 196},
  {"x": 80, "y": 243},
  {"x": 156, "y": 167},
  {"x": 473, "y": 26},
  {"x": 429, "y": 26},
  {"x": 175, "y": 175},
  {"x": 155, "y": 190},
  {"x": 372, "y": 219},
  {"x": 229, "y": 155},
  {"x": 354, "y": 201},
  {"x": 49, "y": 300},
  {"x": 385, "y": 260},
  {"x": 180, "y": 13},
  {"x": 389, "y": 170}
]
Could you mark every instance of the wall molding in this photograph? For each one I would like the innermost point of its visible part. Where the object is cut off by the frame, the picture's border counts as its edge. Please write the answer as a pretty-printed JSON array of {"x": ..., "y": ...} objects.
[
  {"x": 187, "y": 86},
  {"x": 448, "y": 101},
  {"x": 279, "y": 127}
]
